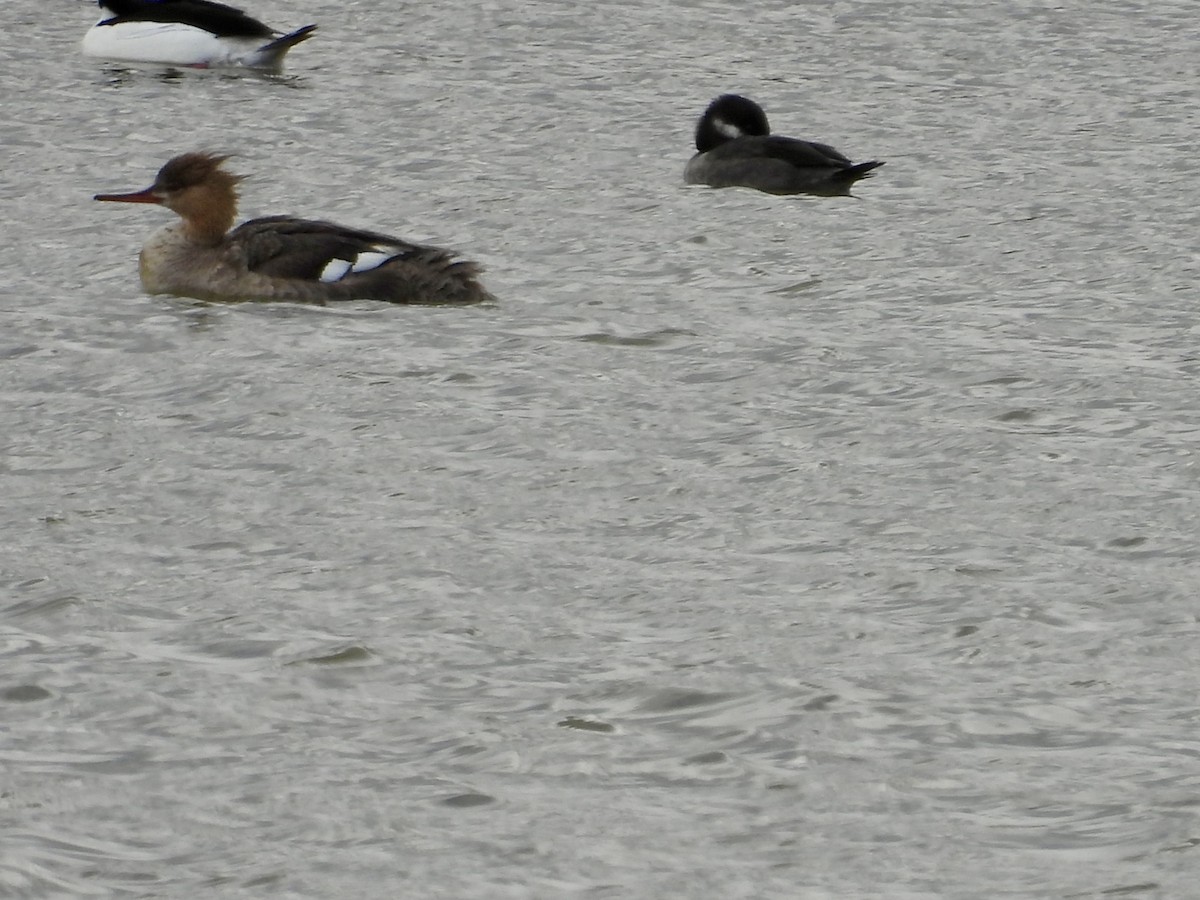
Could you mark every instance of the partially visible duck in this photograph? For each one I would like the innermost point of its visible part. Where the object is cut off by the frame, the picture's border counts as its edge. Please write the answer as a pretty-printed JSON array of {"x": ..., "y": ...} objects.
[
  {"x": 736, "y": 149},
  {"x": 281, "y": 257},
  {"x": 196, "y": 33}
]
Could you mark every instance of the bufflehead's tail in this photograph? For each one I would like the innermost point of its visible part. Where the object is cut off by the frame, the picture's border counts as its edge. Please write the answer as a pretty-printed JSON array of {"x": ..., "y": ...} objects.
[{"x": 858, "y": 171}]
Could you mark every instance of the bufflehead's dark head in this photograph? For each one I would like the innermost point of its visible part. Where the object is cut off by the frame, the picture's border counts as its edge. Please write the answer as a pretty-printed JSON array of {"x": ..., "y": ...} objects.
[{"x": 728, "y": 117}]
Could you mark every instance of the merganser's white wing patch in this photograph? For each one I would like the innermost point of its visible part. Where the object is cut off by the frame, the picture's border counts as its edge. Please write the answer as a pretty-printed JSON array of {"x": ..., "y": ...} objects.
[
  {"x": 371, "y": 259},
  {"x": 171, "y": 43},
  {"x": 337, "y": 269}
]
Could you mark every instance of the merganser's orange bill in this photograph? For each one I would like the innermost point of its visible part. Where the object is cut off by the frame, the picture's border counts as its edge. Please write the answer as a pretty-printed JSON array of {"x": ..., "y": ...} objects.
[{"x": 146, "y": 196}]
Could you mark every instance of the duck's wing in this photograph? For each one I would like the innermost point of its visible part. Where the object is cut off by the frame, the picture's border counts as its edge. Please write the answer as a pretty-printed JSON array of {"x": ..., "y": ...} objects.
[
  {"x": 208, "y": 15},
  {"x": 359, "y": 264},
  {"x": 801, "y": 153},
  {"x": 287, "y": 247}
]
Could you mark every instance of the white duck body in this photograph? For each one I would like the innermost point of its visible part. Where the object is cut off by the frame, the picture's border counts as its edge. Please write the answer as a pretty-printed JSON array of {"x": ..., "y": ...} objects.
[{"x": 194, "y": 33}]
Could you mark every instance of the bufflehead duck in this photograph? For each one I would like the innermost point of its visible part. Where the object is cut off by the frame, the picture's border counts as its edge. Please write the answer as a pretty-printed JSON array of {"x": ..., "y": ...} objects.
[
  {"x": 195, "y": 33},
  {"x": 281, "y": 257},
  {"x": 736, "y": 149}
]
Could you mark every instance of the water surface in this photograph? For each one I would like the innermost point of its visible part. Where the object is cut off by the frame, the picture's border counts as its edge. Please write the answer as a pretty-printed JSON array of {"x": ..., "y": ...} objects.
[{"x": 748, "y": 547}]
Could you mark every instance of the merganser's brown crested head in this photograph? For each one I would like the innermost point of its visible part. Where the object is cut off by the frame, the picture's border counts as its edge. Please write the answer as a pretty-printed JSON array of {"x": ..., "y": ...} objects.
[{"x": 197, "y": 189}]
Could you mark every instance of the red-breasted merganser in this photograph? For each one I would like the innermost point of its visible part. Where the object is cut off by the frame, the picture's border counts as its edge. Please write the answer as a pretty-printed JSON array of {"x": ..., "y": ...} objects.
[
  {"x": 196, "y": 33},
  {"x": 280, "y": 257},
  {"x": 736, "y": 149}
]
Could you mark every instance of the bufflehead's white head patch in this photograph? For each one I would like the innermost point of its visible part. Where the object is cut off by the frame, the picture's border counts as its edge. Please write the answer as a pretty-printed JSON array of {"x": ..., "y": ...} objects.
[{"x": 727, "y": 129}]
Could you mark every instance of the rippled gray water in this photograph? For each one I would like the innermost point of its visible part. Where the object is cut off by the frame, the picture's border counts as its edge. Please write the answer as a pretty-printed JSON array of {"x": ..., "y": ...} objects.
[{"x": 749, "y": 547}]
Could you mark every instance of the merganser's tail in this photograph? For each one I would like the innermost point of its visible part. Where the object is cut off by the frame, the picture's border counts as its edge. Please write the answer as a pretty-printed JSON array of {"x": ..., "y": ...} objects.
[{"x": 271, "y": 54}]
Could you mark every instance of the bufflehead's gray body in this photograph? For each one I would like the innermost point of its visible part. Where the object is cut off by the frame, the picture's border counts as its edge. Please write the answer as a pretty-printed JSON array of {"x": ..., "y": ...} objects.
[{"x": 736, "y": 149}]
